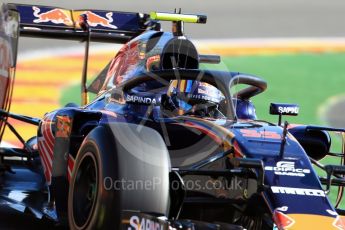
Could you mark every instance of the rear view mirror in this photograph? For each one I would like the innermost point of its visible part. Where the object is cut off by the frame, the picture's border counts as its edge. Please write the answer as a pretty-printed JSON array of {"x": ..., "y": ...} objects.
[{"x": 283, "y": 109}]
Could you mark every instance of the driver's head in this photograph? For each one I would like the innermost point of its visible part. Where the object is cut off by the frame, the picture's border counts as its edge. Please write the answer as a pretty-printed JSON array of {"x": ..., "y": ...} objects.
[
  {"x": 188, "y": 97},
  {"x": 194, "y": 98}
]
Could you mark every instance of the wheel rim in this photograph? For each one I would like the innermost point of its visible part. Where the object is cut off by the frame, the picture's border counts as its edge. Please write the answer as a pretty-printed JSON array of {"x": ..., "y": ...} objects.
[{"x": 85, "y": 190}]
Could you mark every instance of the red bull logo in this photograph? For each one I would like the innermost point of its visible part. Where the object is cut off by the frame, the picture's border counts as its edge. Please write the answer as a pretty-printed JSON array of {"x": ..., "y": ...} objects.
[
  {"x": 95, "y": 20},
  {"x": 56, "y": 16}
]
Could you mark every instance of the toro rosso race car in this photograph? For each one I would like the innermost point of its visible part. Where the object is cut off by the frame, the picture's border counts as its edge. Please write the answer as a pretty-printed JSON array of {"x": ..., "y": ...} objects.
[{"x": 165, "y": 144}]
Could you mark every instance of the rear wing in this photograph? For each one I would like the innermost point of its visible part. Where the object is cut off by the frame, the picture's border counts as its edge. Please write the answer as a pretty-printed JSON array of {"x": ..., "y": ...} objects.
[
  {"x": 60, "y": 23},
  {"x": 84, "y": 25}
]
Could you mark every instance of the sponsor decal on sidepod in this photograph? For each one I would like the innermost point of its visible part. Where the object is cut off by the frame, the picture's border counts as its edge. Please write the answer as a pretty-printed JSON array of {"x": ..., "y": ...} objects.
[
  {"x": 288, "y": 110},
  {"x": 298, "y": 191},
  {"x": 144, "y": 224},
  {"x": 141, "y": 100},
  {"x": 287, "y": 168}
]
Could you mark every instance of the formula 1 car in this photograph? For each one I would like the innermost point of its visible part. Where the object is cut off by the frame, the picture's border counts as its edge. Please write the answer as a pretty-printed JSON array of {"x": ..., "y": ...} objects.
[{"x": 165, "y": 144}]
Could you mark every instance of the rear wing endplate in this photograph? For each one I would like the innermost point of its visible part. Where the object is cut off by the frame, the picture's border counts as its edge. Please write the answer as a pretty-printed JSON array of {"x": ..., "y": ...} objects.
[{"x": 9, "y": 32}]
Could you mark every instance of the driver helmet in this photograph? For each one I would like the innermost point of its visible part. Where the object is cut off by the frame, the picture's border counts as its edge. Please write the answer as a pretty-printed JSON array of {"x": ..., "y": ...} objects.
[
  {"x": 189, "y": 97},
  {"x": 194, "y": 98}
]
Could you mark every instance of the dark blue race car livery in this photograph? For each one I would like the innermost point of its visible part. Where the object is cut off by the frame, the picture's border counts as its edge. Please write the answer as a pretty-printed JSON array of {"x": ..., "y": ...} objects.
[{"x": 165, "y": 144}]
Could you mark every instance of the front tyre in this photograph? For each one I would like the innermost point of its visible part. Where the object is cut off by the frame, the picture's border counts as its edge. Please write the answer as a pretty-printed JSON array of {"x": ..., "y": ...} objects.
[
  {"x": 87, "y": 194},
  {"x": 85, "y": 187},
  {"x": 106, "y": 157}
]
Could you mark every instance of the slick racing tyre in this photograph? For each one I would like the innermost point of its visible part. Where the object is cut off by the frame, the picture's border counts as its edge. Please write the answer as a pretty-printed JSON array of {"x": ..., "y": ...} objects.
[{"x": 118, "y": 167}]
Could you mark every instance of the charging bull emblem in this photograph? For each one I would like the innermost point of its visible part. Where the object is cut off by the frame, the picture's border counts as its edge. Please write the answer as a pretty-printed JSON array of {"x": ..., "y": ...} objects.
[
  {"x": 56, "y": 16},
  {"x": 95, "y": 20}
]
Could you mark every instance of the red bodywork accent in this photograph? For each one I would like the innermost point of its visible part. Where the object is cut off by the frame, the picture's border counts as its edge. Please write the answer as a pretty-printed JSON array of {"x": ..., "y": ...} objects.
[
  {"x": 237, "y": 150},
  {"x": 260, "y": 134},
  {"x": 282, "y": 220},
  {"x": 123, "y": 63},
  {"x": 71, "y": 162},
  {"x": 46, "y": 146},
  {"x": 205, "y": 131}
]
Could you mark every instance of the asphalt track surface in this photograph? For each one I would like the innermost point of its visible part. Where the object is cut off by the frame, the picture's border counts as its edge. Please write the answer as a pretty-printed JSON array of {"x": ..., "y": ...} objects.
[
  {"x": 226, "y": 19},
  {"x": 13, "y": 220}
]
